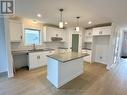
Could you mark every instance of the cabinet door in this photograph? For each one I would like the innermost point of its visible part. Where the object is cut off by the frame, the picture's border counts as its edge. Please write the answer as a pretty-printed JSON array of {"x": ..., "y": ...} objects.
[
  {"x": 44, "y": 58},
  {"x": 106, "y": 30},
  {"x": 63, "y": 34},
  {"x": 15, "y": 29},
  {"x": 101, "y": 54},
  {"x": 88, "y": 35},
  {"x": 33, "y": 61},
  {"x": 102, "y": 31},
  {"x": 38, "y": 59},
  {"x": 96, "y": 31},
  {"x": 87, "y": 58},
  {"x": 50, "y": 32}
]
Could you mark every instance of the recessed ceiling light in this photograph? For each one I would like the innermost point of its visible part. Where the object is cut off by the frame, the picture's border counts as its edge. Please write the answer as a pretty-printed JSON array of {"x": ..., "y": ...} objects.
[
  {"x": 38, "y": 15},
  {"x": 90, "y": 22},
  {"x": 65, "y": 22}
]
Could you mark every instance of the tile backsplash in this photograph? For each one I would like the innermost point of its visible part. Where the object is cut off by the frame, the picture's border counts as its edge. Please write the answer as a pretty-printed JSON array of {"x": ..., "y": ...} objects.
[{"x": 21, "y": 46}]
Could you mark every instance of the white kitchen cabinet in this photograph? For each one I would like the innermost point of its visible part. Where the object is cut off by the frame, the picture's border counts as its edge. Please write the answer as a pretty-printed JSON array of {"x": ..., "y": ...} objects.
[
  {"x": 87, "y": 58},
  {"x": 102, "y": 31},
  {"x": 15, "y": 29},
  {"x": 101, "y": 54},
  {"x": 100, "y": 50},
  {"x": 88, "y": 35},
  {"x": 49, "y": 32},
  {"x": 38, "y": 59}
]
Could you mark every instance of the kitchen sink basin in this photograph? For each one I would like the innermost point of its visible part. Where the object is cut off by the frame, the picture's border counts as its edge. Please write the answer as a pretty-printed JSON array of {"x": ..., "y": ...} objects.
[{"x": 36, "y": 50}]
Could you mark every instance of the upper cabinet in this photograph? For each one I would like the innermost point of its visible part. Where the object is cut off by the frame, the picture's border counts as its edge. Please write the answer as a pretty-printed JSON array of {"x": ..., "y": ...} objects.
[
  {"x": 102, "y": 31},
  {"x": 88, "y": 35},
  {"x": 49, "y": 32},
  {"x": 15, "y": 29}
]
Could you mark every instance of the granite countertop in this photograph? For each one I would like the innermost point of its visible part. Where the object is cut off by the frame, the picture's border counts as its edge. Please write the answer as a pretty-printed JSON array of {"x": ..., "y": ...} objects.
[
  {"x": 62, "y": 48},
  {"x": 17, "y": 52},
  {"x": 65, "y": 57}
]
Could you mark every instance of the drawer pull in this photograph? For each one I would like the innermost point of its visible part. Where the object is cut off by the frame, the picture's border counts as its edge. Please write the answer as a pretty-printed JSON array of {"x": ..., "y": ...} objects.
[
  {"x": 38, "y": 57},
  {"x": 100, "y": 32}
]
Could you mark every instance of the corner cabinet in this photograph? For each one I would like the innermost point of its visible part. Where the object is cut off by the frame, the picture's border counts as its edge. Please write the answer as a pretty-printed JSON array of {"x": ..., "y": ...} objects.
[
  {"x": 102, "y": 31},
  {"x": 15, "y": 29},
  {"x": 38, "y": 59},
  {"x": 49, "y": 32}
]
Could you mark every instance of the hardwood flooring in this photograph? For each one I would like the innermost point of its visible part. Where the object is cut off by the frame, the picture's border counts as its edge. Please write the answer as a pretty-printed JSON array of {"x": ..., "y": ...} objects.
[{"x": 96, "y": 80}]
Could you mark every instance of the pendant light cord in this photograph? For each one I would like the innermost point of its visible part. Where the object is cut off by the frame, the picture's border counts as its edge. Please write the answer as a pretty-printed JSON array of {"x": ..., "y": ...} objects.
[
  {"x": 77, "y": 21},
  {"x": 61, "y": 15}
]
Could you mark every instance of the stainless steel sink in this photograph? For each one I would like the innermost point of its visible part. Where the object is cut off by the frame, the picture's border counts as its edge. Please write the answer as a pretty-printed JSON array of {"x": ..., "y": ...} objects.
[{"x": 37, "y": 50}]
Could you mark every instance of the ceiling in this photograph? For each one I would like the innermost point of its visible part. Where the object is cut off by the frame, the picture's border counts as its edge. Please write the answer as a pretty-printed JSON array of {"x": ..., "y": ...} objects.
[{"x": 97, "y": 11}]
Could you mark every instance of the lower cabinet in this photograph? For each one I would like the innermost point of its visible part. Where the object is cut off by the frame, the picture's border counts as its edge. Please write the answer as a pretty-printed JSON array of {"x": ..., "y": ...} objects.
[
  {"x": 38, "y": 59},
  {"x": 87, "y": 58}
]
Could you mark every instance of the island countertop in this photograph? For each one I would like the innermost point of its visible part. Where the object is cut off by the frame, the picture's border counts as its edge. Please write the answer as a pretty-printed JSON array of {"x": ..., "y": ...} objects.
[{"x": 68, "y": 56}]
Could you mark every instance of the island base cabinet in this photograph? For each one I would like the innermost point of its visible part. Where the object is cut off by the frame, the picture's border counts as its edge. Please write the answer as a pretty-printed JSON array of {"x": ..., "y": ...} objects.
[
  {"x": 60, "y": 73},
  {"x": 36, "y": 60}
]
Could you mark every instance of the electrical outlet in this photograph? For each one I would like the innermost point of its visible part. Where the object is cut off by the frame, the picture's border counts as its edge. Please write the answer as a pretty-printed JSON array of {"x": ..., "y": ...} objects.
[{"x": 101, "y": 57}]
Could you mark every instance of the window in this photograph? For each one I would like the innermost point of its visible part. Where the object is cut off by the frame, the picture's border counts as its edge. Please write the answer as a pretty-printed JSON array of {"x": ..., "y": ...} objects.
[{"x": 32, "y": 36}]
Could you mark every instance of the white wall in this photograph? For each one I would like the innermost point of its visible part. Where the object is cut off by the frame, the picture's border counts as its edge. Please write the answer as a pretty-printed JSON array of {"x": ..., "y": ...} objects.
[
  {"x": 124, "y": 44},
  {"x": 70, "y": 31},
  {"x": 112, "y": 46},
  {"x": 3, "y": 56}
]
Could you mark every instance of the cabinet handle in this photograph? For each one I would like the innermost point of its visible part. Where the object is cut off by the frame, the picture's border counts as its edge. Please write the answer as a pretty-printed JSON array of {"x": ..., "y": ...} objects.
[
  {"x": 38, "y": 57},
  {"x": 21, "y": 37},
  {"x": 100, "y": 32}
]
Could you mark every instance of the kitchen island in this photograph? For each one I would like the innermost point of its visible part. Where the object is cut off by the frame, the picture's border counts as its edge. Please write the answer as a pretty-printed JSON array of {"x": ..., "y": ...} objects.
[{"x": 63, "y": 67}]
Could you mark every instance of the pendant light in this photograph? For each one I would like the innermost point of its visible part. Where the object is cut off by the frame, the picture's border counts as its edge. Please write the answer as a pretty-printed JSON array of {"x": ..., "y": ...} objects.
[
  {"x": 77, "y": 27},
  {"x": 61, "y": 24}
]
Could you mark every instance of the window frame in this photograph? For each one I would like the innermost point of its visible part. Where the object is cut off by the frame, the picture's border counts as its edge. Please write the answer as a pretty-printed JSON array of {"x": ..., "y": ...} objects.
[{"x": 40, "y": 34}]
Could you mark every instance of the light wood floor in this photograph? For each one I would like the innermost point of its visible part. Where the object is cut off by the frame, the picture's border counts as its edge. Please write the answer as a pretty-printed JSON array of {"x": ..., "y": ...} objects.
[{"x": 95, "y": 81}]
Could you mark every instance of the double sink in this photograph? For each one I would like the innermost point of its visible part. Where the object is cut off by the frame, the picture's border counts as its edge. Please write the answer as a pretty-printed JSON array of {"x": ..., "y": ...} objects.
[
  {"x": 29, "y": 51},
  {"x": 37, "y": 50}
]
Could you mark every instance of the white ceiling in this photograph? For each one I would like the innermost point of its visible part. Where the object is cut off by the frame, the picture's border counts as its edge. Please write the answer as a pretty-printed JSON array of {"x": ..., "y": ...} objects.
[{"x": 97, "y": 11}]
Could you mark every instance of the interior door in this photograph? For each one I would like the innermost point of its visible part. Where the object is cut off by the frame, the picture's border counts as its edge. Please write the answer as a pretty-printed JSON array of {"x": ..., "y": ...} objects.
[{"x": 75, "y": 42}]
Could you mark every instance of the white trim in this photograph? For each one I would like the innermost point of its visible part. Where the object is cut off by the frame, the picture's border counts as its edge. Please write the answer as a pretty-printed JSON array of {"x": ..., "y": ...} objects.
[{"x": 8, "y": 49}]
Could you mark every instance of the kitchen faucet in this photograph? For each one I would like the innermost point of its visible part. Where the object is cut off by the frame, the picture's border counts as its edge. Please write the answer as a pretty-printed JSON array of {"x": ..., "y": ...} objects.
[{"x": 34, "y": 46}]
